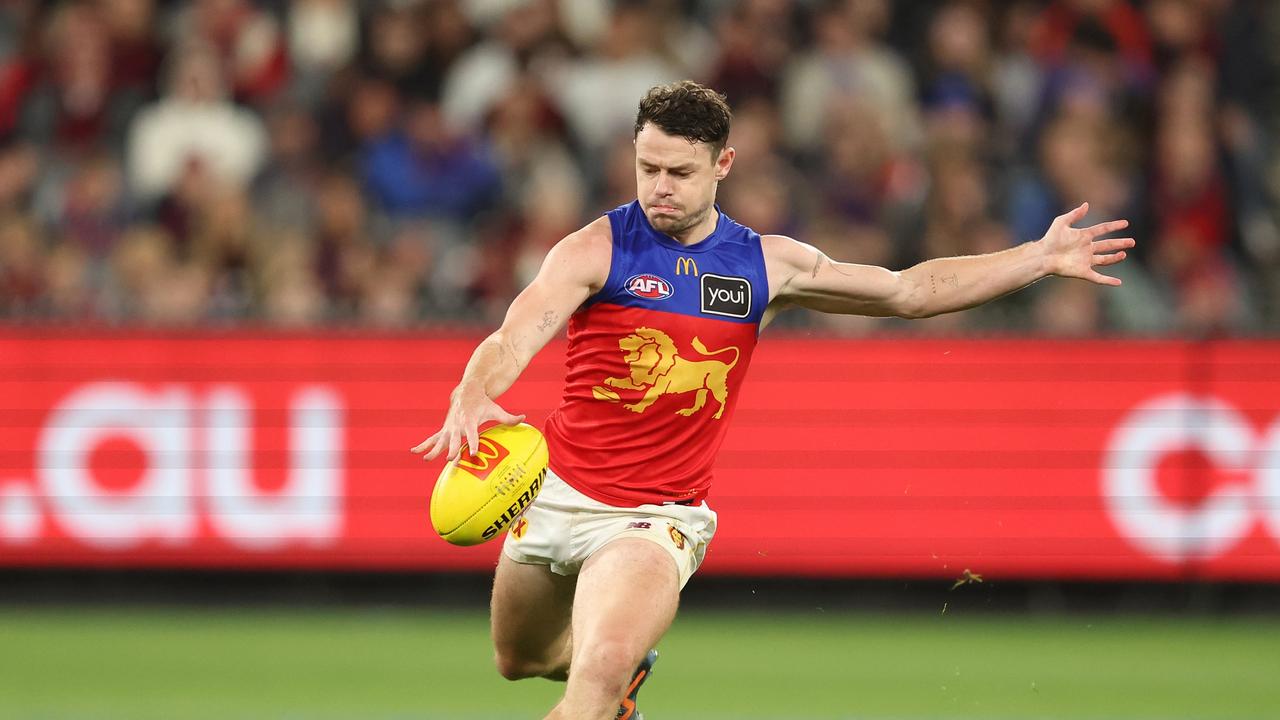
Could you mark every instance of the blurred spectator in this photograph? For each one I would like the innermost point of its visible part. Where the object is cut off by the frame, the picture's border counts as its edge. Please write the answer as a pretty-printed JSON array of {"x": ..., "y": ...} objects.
[
  {"x": 343, "y": 253},
  {"x": 1098, "y": 59},
  {"x": 77, "y": 107},
  {"x": 136, "y": 53},
  {"x": 284, "y": 193},
  {"x": 288, "y": 290},
  {"x": 299, "y": 162},
  {"x": 526, "y": 37},
  {"x": 19, "y": 167},
  {"x": 1063, "y": 23},
  {"x": 397, "y": 50},
  {"x": 528, "y": 136},
  {"x": 246, "y": 40},
  {"x": 193, "y": 126},
  {"x": 323, "y": 36},
  {"x": 224, "y": 241},
  {"x": 598, "y": 92},
  {"x": 850, "y": 69},
  {"x": 152, "y": 286},
  {"x": 1017, "y": 81},
  {"x": 862, "y": 178},
  {"x": 959, "y": 58},
  {"x": 91, "y": 211},
  {"x": 358, "y": 110},
  {"x": 1190, "y": 245},
  {"x": 755, "y": 41},
  {"x": 21, "y": 267},
  {"x": 68, "y": 285},
  {"x": 423, "y": 168}
]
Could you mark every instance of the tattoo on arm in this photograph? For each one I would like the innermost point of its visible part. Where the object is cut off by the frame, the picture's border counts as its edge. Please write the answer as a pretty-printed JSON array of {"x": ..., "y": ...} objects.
[
  {"x": 507, "y": 353},
  {"x": 835, "y": 267},
  {"x": 548, "y": 320},
  {"x": 817, "y": 263},
  {"x": 952, "y": 280}
]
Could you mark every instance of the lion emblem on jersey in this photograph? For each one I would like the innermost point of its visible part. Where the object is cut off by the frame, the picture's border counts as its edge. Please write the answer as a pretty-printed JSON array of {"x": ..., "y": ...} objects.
[{"x": 658, "y": 369}]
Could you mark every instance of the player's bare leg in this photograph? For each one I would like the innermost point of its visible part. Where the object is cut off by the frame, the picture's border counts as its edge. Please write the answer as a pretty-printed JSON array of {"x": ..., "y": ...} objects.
[
  {"x": 627, "y": 596},
  {"x": 529, "y": 619}
]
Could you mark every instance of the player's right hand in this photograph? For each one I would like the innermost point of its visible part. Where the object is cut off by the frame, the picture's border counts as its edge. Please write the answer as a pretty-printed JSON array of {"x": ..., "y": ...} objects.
[{"x": 468, "y": 410}]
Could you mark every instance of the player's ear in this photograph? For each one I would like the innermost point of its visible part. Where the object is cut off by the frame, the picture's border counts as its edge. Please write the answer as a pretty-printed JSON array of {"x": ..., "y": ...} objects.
[{"x": 725, "y": 162}]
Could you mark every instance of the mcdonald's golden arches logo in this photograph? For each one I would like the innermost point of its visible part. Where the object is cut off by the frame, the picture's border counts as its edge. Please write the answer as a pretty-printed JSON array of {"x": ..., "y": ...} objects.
[
  {"x": 687, "y": 266},
  {"x": 487, "y": 457}
]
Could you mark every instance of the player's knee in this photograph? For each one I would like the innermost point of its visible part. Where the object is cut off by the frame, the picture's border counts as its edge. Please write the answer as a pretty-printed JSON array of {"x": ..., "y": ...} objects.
[
  {"x": 514, "y": 666},
  {"x": 609, "y": 662}
]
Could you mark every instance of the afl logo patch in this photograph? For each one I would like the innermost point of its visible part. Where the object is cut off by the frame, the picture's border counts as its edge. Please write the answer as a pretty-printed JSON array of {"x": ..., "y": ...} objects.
[
  {"x": 649, "y": 287},
  {"x": 728, "y": 296}
]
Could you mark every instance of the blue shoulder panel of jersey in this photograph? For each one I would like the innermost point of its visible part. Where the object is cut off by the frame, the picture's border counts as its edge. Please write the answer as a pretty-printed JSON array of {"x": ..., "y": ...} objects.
[{"x": 720, "y": 278}]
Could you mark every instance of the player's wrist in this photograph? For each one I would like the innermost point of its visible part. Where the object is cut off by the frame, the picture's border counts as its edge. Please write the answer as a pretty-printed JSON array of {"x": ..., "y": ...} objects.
[
  {"x": 469, "y": 391},
  {"x": 1043, "y": 258}
]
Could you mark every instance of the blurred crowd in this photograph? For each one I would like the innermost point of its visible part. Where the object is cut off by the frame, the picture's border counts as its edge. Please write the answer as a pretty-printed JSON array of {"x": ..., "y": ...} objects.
[{"x": 390, "y": 163}]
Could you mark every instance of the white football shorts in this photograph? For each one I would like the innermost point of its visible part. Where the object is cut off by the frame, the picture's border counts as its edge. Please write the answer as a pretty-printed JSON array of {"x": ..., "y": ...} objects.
[{"x": 563, "y": 527}]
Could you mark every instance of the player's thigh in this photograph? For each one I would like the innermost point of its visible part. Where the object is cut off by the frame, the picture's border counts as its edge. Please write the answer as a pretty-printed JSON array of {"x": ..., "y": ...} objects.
[
  {"x": 531, "y": 609},
  {"x": 627, "y": 596}
]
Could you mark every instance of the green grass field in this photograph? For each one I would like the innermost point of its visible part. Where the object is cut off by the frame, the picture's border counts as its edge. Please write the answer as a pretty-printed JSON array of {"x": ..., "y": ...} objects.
[{"x": 406, "y": 663}]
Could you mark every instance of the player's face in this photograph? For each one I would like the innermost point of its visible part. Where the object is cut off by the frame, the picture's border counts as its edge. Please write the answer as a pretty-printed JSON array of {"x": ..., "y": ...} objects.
[{"x": 676, "y": 180}]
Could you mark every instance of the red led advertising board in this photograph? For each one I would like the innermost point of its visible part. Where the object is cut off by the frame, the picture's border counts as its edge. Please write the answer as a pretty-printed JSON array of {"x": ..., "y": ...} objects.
[{"x": 878, "y": 458}]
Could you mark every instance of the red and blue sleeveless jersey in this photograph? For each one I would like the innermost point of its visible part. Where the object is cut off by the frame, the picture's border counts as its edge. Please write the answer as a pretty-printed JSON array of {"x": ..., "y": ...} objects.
[{"x": 655, "y": 361}]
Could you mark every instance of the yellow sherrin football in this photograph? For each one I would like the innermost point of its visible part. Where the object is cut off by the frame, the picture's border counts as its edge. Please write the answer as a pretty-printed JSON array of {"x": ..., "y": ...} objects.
[{"x": 481, "y": 494}]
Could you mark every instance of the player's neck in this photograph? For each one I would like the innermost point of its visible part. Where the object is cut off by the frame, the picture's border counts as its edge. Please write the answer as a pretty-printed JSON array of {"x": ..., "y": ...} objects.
[{"x": 695, "y": 234}]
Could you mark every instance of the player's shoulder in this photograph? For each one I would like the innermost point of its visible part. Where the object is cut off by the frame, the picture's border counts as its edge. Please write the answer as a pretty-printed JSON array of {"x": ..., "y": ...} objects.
[
  {"x": 787, "y": 251},
  {"x": 590, "y": 244},
  {"x": 586, "y": 252}
]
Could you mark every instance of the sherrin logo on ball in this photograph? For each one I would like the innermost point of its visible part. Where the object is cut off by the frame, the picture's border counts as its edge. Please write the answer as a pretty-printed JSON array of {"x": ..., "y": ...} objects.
[{"x": 484, "y": 492}]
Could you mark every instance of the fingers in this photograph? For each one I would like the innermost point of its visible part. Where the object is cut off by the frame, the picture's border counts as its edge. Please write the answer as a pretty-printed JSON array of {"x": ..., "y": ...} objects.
[
  {"x": 1111, "y": 245},
  {"x": 422, "y": 446},
  {"x": 455, "y": 442},
  {"x": 430, "y": 447},
  {"x": 1073, "y": 215},
  {"x": 461, "y": 432},
  {"x": 473, "y": 438},
  {"x": 1101, "y": 279},
  {"x": 1109, "y": 259},
  {"x": 1106, "y": 227},
  {"x": 507, "y": 418},
  {"x": 437, "y": 445}
]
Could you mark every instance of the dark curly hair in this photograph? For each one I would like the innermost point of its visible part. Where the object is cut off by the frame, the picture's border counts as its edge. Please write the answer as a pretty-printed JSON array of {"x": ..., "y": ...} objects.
[{"x": 689, "y": 110}]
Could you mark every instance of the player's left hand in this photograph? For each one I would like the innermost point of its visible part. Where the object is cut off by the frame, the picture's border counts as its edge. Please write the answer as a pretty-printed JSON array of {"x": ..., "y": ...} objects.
[{"x": 1075, "y": 252}]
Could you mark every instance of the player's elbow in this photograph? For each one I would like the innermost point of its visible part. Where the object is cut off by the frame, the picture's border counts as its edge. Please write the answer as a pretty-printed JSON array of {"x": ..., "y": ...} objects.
[{"x": 910, "y": 301}]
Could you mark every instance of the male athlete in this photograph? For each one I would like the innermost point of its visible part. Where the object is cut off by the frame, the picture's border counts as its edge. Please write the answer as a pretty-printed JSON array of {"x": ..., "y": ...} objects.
[{"x": 664, "y": 299}]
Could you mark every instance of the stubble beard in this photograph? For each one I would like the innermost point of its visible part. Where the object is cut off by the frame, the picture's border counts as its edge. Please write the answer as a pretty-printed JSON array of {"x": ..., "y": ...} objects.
[{"x": 676, "y": 226}]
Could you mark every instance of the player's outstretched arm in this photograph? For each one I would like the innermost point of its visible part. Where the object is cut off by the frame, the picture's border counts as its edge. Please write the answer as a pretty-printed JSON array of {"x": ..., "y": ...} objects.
[
  {"x": 574, "y": 269},
  {"x": 802, "y": 275}
]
